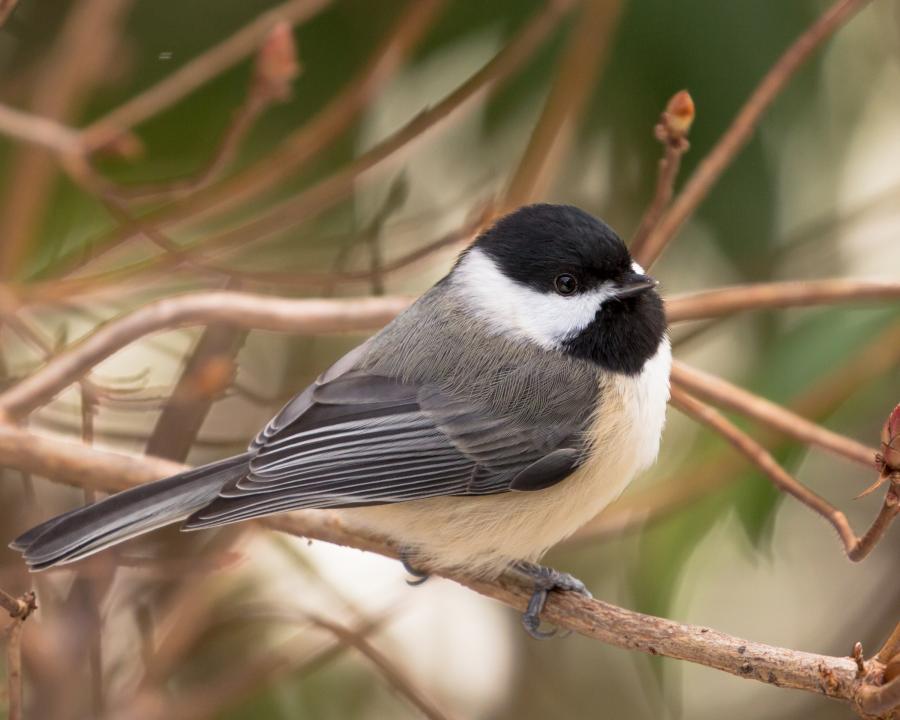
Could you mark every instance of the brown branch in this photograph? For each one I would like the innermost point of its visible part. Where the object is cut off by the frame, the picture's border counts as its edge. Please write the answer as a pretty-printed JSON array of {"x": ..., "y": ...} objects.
[
  {"x": 19, "y": 609},
  {"x": 831, "y": 676},
  {"x": 207, "y": 373},
  {"x": 743, "y": 126},
  {"x": 302, "y": 144},
  {"x": 891, "y": 646},
  {"x": 197, "y": 72},
  {"x": 671, "y": 130},
  {"x": 880, "y": 700},
  {"x": 721, "y": 392},
  {"x": 249, "y": 311},
  {"x": 856, "y": 548},
  {"x": 67, "y": 72},
  {"x": 330, "y": 190},
  {"x": 392, "y": 673},
  {"x": 13, "y": 635},
  {"x": 777, "y": 295},
  {"x": 210, "y": 699},
  {"x": 6, "y": 9},
  {"x": 874, "y": 358},
  {"x": 30, "y": 335},
  {"x": 575, "y": 79},
  {"x": 337, "y": 116},
  {"x": 31, "y": 128},
  {"x": 276, "y": 68},
  {"x": 476, "y": 221},
  {"x": 327, "y": 192},
  {"x": 235, "y": 309}
]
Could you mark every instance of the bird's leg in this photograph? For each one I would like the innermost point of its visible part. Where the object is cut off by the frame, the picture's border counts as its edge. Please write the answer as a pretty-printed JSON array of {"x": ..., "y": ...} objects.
[
  {"x": 406, "y": 559},
  {"x": 544, "y": 580}
]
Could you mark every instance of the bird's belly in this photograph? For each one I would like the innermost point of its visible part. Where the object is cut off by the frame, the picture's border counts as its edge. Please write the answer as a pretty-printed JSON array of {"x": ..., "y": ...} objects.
[{"x": 483, "y": 534}]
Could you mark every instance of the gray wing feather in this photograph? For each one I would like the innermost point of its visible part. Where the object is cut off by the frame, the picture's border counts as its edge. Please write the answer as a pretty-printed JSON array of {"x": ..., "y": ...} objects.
[{"x": 357, "y": 438}]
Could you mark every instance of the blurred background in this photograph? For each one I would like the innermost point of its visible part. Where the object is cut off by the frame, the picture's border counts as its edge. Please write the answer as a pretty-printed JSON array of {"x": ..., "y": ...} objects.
[{"x": 314, "y": 193}]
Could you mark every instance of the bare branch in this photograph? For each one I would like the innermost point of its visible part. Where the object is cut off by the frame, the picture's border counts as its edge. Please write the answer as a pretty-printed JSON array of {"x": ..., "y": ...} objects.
[
  {"x": 832, "y": 676},
  {"x": 721, "y": 392},
  {"x": 777, "y": 295},
  {"x": 671, "y": 130},
  {"x": 330, "y": 190},
  {"x": 27, "y": 127},
  {"x": 391, "y": 672},
  {"x": 743, "y": 126},
  {"x": 208, "y": 700},
  {"x": 6, "y": 9},
  {"x": 856, "y": 548},
  {"x": 235, "y": 309},
  {"x": 305, "y": 143},
  {"x": 576, "y": 74},
  {"x": 19, "y": 609},
  {"x": 75, "y": 61},
  {"x": 875, "y": 357},
  {"x": 891, "y": 646},
  {"x": 197, "y": 72}
]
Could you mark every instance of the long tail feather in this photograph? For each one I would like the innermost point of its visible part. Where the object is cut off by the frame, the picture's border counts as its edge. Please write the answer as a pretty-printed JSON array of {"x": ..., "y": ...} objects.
[{"x": 92, "y": 528}]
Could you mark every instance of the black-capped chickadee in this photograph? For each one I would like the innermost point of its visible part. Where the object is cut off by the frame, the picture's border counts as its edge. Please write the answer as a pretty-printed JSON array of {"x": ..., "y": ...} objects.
[{"x": 504, "y": 409}]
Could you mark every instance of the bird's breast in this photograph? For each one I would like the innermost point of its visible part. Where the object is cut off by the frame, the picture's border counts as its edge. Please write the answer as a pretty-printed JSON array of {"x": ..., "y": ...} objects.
[{"x": 484, "y": 534}]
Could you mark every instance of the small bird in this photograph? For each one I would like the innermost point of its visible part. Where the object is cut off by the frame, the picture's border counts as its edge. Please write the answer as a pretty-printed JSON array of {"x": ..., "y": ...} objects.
[{"x": 504, "y": 409}]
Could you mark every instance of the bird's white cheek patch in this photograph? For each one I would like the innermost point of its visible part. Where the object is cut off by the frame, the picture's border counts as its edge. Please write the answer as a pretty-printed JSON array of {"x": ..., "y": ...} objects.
[{"x": 513, "y": 309}]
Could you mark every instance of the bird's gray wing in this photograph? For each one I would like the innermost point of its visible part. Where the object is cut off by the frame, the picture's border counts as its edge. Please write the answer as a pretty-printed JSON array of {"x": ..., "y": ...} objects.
[{"x": 358, "y": 438}]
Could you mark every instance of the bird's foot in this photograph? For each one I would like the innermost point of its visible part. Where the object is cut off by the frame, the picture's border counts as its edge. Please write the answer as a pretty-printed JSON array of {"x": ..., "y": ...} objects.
[
  {"x": 544, "y": 580},
  {"x": 406, "y": 559}
]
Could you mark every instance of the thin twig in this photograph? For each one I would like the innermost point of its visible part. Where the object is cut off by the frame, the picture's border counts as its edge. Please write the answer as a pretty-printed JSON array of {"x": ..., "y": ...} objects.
[
  {"x": 67, "y": 72},
  {"x": 392, "y": 673},
  {"x": 207, "y": 373},
  {"x": 827, "y": 393},
  {"x": 14, "y": 669},
  {"x": 777, "y": 295},
  {"x": 6, "y": 9},
  {"x": 576, "y": 74},
  {"x": 197, "y": 72},
  {"x": 743, "y": 126},
  {"x": 301, "y": 145},
  {"x": 331, "y": 121},
  {"x": 19, "y": 610},
  {"x": 721, "y": 392},
  {"x": 856, "y": 548},
  {"x": 74, "y": 464},
  {"x": 476, "y": 221},
  {"x": 671, "y": 130},
  {"x": 28, "y": 127},
  {"x": 330, "y": 190},
  {"x": 210, "y": 699},
  {"x": 891, "y": 646},
  {"x": 275, "y": 70},
  {"x": 235, "y": 309},
  {"x": 33, "y": 336}
]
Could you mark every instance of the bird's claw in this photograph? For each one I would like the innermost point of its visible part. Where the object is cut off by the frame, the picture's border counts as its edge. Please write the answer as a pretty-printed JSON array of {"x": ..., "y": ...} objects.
[
  {"x": 545, "y": 579},
  {"x": 420, "y": 577}
]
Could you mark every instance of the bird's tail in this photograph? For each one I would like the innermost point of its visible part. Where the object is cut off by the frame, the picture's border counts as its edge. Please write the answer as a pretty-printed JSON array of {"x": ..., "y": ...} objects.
[{"x": 92, "y": 528}]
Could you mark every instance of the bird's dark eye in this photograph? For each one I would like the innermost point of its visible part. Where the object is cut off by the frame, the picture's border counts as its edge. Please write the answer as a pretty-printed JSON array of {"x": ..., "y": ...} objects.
[{"x": 565, "y": 284}]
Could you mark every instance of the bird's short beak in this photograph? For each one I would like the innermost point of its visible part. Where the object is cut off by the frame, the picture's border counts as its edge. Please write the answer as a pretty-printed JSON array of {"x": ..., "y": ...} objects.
[{"x": 635, "y": 284}]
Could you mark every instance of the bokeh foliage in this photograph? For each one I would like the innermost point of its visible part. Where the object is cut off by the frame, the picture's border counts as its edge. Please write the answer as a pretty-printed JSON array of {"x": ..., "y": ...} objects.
[{"x": 741, "y": 233}]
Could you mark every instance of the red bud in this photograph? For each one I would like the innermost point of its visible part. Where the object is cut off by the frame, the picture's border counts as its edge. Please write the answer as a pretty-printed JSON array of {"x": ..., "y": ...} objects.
[
  {"x": 276, "y": 63},
  {"x": 680, "y": 113}
]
